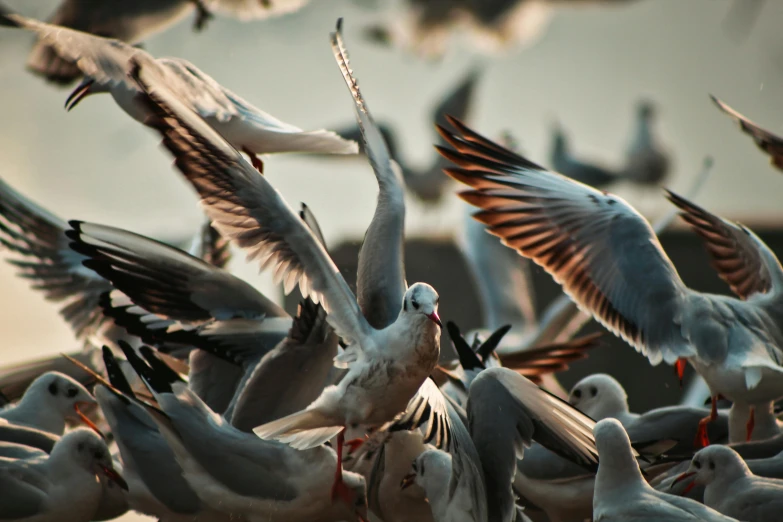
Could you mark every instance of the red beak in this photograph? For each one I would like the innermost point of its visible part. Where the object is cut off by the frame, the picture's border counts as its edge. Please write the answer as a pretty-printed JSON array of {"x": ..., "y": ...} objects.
[
  {"x": 682, "y": 477},
  {"x": 115, "y": 477},
  {"x": 435, "y": 318}
]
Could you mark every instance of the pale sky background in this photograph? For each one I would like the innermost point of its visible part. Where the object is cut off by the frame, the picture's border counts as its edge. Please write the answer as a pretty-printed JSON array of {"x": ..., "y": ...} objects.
[{"x": 588, "y": 69}]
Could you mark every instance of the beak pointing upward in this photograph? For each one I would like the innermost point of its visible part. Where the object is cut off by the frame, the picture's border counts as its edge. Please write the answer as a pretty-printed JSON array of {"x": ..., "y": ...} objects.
[{"x": 435, "y": 318}]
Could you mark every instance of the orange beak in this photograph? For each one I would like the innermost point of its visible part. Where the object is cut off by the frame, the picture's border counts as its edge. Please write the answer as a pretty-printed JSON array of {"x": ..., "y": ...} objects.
[
  {"x": 85, "y": 419},
  {"x": 435, "y": 318},
  {"x": 682, "y": 477}
]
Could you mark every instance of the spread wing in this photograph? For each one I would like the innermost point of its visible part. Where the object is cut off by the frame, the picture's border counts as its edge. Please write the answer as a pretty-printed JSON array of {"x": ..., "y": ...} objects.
[
  {"x": 603, "y": 252},
  {"x": 380, "y": 285},
  {"x": 245, "y": 208},
  {"x": 739, "y": 256},
  {"x": 38, "y": 238}
]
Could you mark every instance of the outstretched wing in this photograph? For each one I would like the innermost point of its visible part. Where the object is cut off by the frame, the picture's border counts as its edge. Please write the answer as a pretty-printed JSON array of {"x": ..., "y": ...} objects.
[
  {"x": 771, "y": 144},
  {"x": 599, "y": 248},
  {"x": 245, "y": 208},
  {"x": 38, "y": 236}
]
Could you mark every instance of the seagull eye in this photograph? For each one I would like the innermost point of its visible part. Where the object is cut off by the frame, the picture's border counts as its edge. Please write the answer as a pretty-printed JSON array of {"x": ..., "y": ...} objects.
[
  {"x": 415, "y": 304},
  {"x": 80, "y": 447},
  {"x": 712, "y": 465},
  {"x": 98, "y": 454},
  {"x": 593, "y": 391},
  {"x": 578, "y": 393},
  {"x": 697, "y": 464},
  {"x": 53, "y": 388},
  {"x": 71, "y": 392}
]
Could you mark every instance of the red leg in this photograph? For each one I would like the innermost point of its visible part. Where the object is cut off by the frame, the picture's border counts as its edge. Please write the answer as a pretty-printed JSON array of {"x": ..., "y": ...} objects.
[
  {"x": 702, "y": 440},
  {"x": 255, "y": 160},
  {"x": 339, "y": 489},
  {"x": 679, "y": 368},
  {"x": 751, "y": 423}
]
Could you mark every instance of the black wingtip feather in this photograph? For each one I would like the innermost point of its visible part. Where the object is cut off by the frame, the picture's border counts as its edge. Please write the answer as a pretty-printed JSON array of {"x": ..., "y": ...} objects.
[
  {"x": 492, "y": 342},
  {"x": 160, "y": 368},
  {"x": 467, "y": 357},
  {"x": 116, "y": 377}
]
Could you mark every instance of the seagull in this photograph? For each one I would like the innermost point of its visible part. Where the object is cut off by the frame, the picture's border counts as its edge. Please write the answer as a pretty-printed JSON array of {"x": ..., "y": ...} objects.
[
  {"x": 156, "y": 486},
  {"x": 731, "y": 488},
  {"x": 432, "y": 472},
  {"x": 385, "y": 367},
  {"x": 600, "y": 396},
  {"x": 60, "y": 487},
  {"x": 566, "y": 164},
  {"x": 646, "y": 163},
  {"x": 622, "y": 494},
  {"x": 105, "y": 64},
  {"x": 735, "y": 345},
  {"x": 769, "y": 143},
  {"x": 739, "y": 257},
  {"x": 506, "y": 413},
  {"x": 237, "y": 473},
  {"x": 50, "y": 401}
]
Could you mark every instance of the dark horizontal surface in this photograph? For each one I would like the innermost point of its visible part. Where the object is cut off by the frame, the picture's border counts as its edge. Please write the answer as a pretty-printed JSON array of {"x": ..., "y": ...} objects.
[{"x": 439, "y": 263}]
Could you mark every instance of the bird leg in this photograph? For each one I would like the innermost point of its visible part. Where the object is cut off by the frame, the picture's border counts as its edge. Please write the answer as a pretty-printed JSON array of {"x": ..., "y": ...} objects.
[
  {"x": 679, "y": 368},
  {"x": 339, "y": 489},
  {"x": 751, "y": 423},
  {"x": 203, "y": 15},
  {"x": 255, "y": 160},
  {"x": 702, "y": 440}
]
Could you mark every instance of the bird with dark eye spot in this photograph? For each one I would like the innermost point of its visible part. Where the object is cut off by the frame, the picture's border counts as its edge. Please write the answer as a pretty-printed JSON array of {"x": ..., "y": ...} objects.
[
  {"x": 697, "y": 464},
  {"x": 53, "y": 388},
  {"x": 593, "y": 198},
  {"x": 577, "y": 393},
  {"x": 593, "y": 391},
  {"x": 80, "y": 447},
  {"x": 415, "y": 304},
  {"x": 71, "y": 393},
  {"x": 612, "y": 201},
  {"x": 712, "y": 465}
]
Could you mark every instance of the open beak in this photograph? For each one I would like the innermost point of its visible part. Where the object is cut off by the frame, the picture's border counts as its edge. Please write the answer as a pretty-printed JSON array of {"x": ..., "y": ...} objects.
[
  {"x": 115, "y": 477},
  {"x": 407, "y": 480},
  {"x": 682, "y": 477},
  {"x": 85, "y": 419},
  {"x": 435, "y": 318},
  {"x": 79, "y": 93}
]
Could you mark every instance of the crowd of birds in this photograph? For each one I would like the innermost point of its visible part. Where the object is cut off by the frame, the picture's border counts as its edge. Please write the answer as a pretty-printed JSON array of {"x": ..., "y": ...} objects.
[{"x": 199, "y": 398}]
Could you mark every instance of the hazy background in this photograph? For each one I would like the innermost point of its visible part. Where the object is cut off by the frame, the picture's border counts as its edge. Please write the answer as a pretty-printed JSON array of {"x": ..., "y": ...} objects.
[{"x": 588, "y": 69}]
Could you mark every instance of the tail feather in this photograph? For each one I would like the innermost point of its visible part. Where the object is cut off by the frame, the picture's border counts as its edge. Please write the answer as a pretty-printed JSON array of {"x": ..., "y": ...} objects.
[{"x": 302, "y": 430}]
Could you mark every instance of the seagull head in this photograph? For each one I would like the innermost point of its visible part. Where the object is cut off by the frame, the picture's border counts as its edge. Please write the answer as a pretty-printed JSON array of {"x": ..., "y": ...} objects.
[
  {"x": 421, "y": 298},
  {"x": 87, "y": 449},
  {"x": 599, "y": 396},
  {"x": 712, "y": 462},
  {"x": 430, "y": 470},
  {"x": 62, "y": 395}
]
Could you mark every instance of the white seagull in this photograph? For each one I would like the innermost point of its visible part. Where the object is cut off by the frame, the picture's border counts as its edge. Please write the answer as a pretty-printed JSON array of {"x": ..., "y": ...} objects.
[
  {"x": 608, "y": 259},
  {"x": 106, "y": 64},
  {"x": 50, "y": 401},
  {"x": 385, "y": 367},
  {"x": 61, "y": 487}
]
